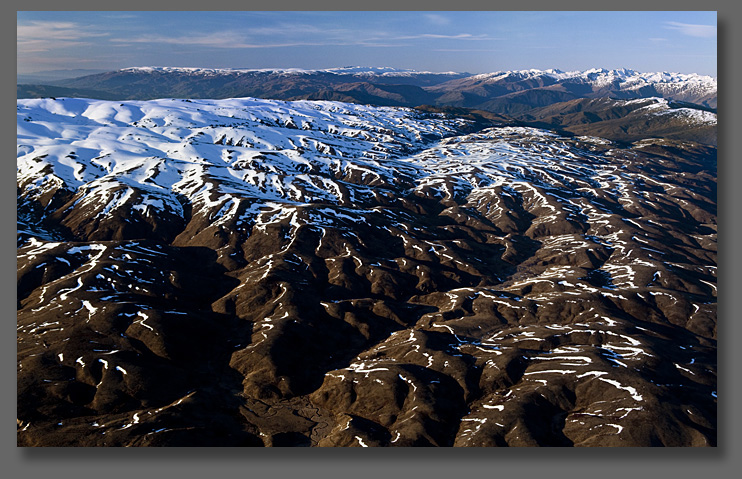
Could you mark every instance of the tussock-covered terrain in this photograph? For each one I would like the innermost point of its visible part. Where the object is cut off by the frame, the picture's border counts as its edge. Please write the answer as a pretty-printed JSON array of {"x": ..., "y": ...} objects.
[{"x": 250, "y": 272}]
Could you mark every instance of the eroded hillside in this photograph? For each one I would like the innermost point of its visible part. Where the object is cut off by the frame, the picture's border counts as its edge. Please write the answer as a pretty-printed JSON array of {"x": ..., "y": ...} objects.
[{"x": 255, "y": 272}]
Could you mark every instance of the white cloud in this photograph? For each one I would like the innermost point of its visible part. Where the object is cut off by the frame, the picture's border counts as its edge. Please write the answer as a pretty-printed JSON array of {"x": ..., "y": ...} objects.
[
  {"x": 43, "y": 36},
  {"x": 292, "y": 36},
  {"x": 297, "y": 34},
  {"x": 705, "y": 31},
  {"x": 437, "y": 19},
  {"x": 215, "y": 40},
  {"x": 458, "y": 36},
  {"x": 224, "y": 40},
  {"x": 467, "y": 50}
]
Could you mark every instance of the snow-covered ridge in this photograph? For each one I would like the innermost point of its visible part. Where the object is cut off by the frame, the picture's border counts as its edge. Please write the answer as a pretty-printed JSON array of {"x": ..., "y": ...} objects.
[
  {"x": 601, "y": 75},
  {"x": 294, "y": 152},
  {"x": 350, "y": 70},
  {"x": 145, "y": 154},
  {"x": 593, "y": 75},
  {"x": 665, "y": 83},
  {"x": 622, "y": 82},
  {"x": 662, "y": 107}
]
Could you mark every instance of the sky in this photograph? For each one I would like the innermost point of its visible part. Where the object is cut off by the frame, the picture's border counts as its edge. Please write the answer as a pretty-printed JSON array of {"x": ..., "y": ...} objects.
[{"x": 461, "y": 41}]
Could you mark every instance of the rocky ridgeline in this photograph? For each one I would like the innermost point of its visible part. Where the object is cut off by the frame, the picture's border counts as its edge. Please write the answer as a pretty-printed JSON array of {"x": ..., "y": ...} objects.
[{"x": 254, "y": 272}]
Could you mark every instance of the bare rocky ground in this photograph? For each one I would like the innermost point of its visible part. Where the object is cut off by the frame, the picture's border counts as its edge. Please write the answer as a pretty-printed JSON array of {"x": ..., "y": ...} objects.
[{"x": 358, "y": 282}]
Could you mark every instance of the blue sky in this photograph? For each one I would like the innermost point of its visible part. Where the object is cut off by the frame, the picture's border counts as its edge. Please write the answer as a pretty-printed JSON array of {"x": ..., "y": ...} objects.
[{"x": 464, "y": 41}]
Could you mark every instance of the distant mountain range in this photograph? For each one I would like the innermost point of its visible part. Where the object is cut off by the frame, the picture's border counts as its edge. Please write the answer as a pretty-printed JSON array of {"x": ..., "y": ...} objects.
[
  {"x": 53, "y": 75},
  {"x": 592, "y": 102},
  {"x": 514, "y": 91}
]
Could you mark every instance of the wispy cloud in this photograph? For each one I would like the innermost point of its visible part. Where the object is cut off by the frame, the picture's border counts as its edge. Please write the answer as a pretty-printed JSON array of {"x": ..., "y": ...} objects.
[
  {"x": 214, "y": 40},
  {"x": 44, "y": 36},
  {"x": 295, "y": 35},
  {"x": 467, "y": 49},
  {"x": 236, "y": 40},
  {"x": 296, "y": 29},
  {"x": 437, "y": 19},
  {"x": 121, "y": 16},
  {"x": 705, "y": 31},
  {"x": 458, "y": 36}
]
